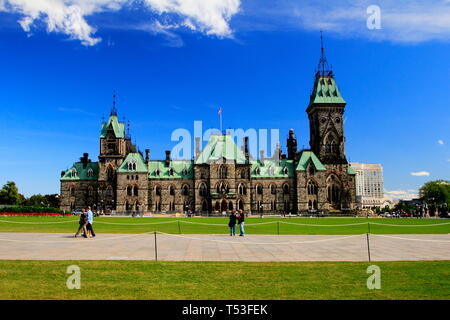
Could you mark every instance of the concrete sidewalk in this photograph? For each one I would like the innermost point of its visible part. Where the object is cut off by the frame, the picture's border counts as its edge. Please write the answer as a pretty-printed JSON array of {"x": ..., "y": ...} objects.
[{"x": 56, "y": 246}]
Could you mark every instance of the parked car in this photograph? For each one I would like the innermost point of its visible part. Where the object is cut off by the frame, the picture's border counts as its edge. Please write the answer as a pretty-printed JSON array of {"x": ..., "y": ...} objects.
[{"x": 76, "y": 213}]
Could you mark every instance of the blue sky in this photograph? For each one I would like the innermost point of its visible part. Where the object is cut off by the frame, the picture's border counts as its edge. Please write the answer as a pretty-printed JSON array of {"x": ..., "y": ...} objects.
[{"x": 174, "y": 62}]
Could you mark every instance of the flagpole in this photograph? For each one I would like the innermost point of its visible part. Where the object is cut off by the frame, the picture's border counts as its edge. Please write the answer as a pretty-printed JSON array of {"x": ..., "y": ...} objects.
[{"x": 221, "y": 123}]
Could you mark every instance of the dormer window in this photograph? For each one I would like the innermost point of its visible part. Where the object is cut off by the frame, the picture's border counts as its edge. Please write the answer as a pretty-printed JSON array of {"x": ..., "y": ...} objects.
[
  {"x": 185, "y": 172},
  {"x": 90, "y": 173},
  {"x": 74, "y": 173},
  {"x": 171, "y": 172},
  {"x": 285, "y": 170},
  {"x": 271, "y": 171},
  {"x": 132, "y": 165},
  {"x": 157, "y": 172},
  {"x": 258, "y": 171}
]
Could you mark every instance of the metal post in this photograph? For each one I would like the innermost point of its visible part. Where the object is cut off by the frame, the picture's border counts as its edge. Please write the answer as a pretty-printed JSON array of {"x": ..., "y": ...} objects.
[
  {"x": 368, "y": 241},
  {"x": 179, "y": 228},
  {"x": 278, "y": 227},
  {"x": 156, "y": 249}
]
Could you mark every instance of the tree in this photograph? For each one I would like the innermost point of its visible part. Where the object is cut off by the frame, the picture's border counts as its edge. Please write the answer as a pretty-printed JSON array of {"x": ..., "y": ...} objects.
[
  {"x": 37, "y": 200},
  {"x": 436, "y": 193},
  {"x": 9, "y": 194},
  {"x": 53, "y": 200}
]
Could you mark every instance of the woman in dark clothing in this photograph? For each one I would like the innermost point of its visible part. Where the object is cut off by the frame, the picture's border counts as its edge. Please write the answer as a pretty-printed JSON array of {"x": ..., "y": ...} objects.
[
  {"x": 83, "y": 221},
  {"x": 232, "y": 224}
]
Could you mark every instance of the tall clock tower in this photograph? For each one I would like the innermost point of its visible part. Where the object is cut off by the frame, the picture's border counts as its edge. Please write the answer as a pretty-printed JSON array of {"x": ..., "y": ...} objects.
[{"x": 326, "y": 116}]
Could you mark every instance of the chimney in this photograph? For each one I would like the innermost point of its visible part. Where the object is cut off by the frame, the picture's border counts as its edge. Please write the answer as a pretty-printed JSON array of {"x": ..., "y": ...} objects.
[
  {"x": 167, "y": 158},
  {"x": 147, "y": 155},
  {"x": 292, "y": 145},
  {"x": 261, "y": 157},
  {"x": 197, "y": 147},
  {"x": 85, "y": 160},
  {"x": 245, "y": 146},
  {"x": 63, "y": 173}
]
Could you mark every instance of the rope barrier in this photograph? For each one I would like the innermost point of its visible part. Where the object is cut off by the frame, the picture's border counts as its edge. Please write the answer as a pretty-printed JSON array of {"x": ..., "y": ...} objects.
[
  {"x": 24, "y": 222},
  {"x": 217, "y": 224},
  {"x": 325, "y": 225},
  {"x": 410, "y": 225},
  {"x": 259, "y": 243},
  {"x": 411, "y": 239}
]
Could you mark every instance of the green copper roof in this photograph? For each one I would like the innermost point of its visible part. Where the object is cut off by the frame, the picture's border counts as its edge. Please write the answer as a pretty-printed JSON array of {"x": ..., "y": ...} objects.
[
  {"x": 273, "y": 169},
  {"x": 81, "y": 173},
  {"x": 350, "y": 170},
  {"x": 181, "y": 169},
  {"x": 118, "y": 127},
  {"x": 307, "y": 157},
  {"x": 130, "y": 159},
  {"x": 219, "y": 147},
  {"x": 325, "y": 91}
]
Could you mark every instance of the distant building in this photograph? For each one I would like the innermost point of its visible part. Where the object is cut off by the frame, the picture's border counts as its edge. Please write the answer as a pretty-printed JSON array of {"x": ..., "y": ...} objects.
[{"x": 369, "y": 185}]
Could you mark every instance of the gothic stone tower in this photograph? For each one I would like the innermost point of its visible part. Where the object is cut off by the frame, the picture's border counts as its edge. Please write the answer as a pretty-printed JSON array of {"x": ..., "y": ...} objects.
[{"x": 331, "y": 185}]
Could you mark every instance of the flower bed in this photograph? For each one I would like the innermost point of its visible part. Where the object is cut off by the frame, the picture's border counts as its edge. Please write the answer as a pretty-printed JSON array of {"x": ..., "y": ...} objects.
[{"x": 33, "y": 214}]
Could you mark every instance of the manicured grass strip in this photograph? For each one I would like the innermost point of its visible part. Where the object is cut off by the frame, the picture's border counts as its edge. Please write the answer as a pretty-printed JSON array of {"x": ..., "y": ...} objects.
[
  {"x": 223, "y": 280},
  {"x": 328, "y": 226}
]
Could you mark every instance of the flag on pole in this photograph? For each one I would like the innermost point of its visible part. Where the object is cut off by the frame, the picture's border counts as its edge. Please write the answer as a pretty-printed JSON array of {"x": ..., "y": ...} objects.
[{"x": 220, "y": 111}]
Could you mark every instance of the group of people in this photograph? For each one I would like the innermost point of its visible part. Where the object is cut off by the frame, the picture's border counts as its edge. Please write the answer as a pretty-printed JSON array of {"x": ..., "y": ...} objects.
[
  {"x": 86, "y": 222},
  {"x": 238, "y": 217}
]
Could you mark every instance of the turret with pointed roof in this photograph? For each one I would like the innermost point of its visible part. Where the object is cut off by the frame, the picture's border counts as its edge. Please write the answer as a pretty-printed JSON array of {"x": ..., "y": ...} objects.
[{"x": 325, "y": 112}]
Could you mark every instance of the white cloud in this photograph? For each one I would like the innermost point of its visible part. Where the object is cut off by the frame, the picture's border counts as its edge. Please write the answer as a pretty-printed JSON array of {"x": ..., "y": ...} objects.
[
  {"x": 409, "y": 21},
  {"x": 402, "y": 194},
  {"x": 441, "y": 142},
  {"x": 69, "y": 16},
  {"x": 420, "y": 174}
]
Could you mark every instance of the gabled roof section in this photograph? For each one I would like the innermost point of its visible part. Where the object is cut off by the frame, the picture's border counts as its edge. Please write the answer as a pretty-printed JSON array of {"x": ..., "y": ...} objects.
[
  {"x": 218, "y": 147},
  {"x": 325, "y": 91},
  {"x": 350, "y": 170},
  {"x": 181, "y": 169},
  {"x": 133, "y": 158},
  {"x": 81, "y": 172},
  {"x": 117, "y": 126},
  {"x": 307, "y": 157},
  {"x": 273, "y": 169}
]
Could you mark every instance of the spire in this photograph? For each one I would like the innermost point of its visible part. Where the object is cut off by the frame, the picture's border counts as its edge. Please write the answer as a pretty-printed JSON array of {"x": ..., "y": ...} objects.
[
  {"x": 323, "y": 69},
  {"x": 113, "y": 109}
]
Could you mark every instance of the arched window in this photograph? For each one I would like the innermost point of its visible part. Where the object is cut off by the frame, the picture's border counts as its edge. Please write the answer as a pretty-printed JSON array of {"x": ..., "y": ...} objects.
[
  {"x": 136, "y": 191},
  {"x": 157, "y": 172},
  {"x": 333, "y": 190},
  {"x": 185, "y": 172},
  {"x": 240, "y": 204},
  {"x": 90, "y": 191},
  {"x": 230, "y": 205},
  {"x": 243, "y": 174},
  {"x": 109, "y": 191},
  {"x": 158, "y": 190},
  {"x": 185, "y": 190},
  {"x": 242, "y": 190},
  {"x": 312, "y": 188},
  {"x": 72, "y": 191},
  {"x": 258, "y": 171},
  {"x": 259, "y": 189},
  {"x": 204, "y": 206},
  {"x": 202, "y": 190},
  {"x": 222, "y": 188},
  {"x": 74, "y": 173},
  {"x": 330, "y": 143},
  {"x": 90, "y": 172},
  {"x": 286, "y": 188},
  {"x": 129, "y": 191},
  {"x": 110, "y": 173},
  {"x": 285, "y": 170},
  {"x": 171, "y": 172},
  {"x": 132, "y": 165},
  {"x": 273, "y": 189},
  {"x": 172, "y": 190},
  {"x": 223, "y": 172}
]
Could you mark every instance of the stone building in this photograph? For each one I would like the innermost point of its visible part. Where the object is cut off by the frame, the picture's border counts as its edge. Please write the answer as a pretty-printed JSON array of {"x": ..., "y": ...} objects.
[{"x": 222, "y": 176}]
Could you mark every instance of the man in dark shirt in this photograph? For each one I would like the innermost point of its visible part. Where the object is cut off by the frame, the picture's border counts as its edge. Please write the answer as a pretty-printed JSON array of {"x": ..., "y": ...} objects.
[
  {"x": 83, "y": 221},
  {"x": 232, "y": 223}
]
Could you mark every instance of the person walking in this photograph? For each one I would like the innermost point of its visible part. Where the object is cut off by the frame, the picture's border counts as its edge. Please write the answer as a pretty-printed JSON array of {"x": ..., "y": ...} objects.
[
  {"x": 241, "y": 219},
  {"x": 232, "y": 223},
  {"x": 90, "y": 222},
  {"x": 82, "y": 222}
]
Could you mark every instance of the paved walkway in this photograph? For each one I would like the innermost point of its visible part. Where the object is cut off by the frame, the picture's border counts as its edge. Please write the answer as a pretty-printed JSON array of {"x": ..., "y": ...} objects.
[{"x": 55, "y": 246}]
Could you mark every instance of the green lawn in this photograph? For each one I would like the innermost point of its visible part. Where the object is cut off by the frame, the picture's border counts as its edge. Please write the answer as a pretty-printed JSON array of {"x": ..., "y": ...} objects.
[
  {"x": 224, "y": 280},
  {"x": 219, "y": 225}
]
